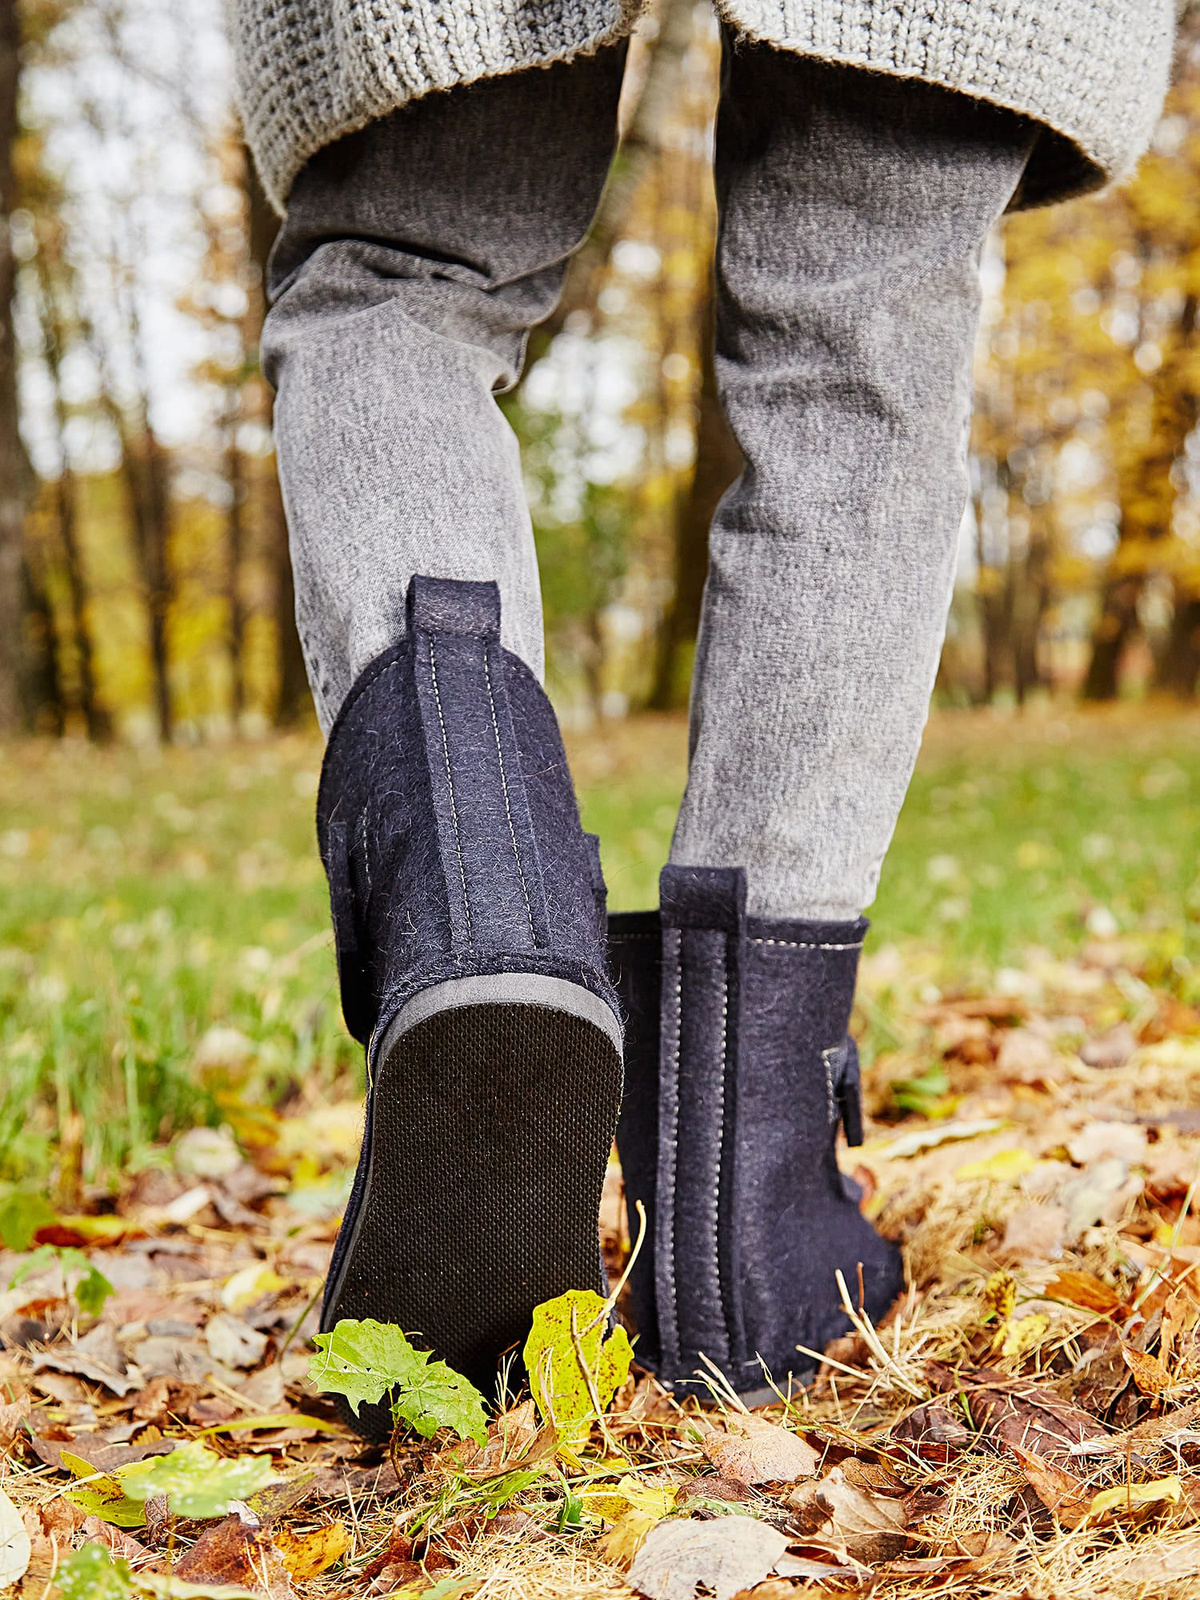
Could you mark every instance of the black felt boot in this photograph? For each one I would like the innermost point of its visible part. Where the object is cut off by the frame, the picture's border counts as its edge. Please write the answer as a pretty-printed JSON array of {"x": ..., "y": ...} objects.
[
  {"x": 738, "y": 1073},
  {"x": 468, "y": 914}
]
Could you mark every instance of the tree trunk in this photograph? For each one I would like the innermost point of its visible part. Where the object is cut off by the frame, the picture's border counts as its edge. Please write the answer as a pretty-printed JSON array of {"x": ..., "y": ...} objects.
[
  {"x": 12, "y": 455},
  {"x": 41, "y": 681},
  {"x": 96, "y": 720},
  {"x": 1117, "y": 625},
  {"x": 235, "y": 540},
  {"x": 292, "y": 693},
  {"x": 1179, "y": 671}
]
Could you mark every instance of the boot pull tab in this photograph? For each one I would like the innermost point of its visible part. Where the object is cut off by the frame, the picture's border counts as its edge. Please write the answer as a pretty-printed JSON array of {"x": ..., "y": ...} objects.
[
  {"x": 844, "y": 1069},
  {"x": 445, "y": 605}
]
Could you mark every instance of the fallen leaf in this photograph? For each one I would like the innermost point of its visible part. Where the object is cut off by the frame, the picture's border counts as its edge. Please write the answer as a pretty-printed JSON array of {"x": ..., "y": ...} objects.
[
  {"x": 307, "y": 1554},
  {"x": 1059, "y": 1490},
  {"x": 1005, "y": 1166},
  {"x": 724, "y": 1555},
  {"x": 1102, "y": 1141},
  {"x": 1129, "y": 1496},
  {"x": 252, "y": 1284},
  {"x": 1026, "y": 1057},
  {"x": 626, "y": 1537},
  {"x": 869, "y": 1526},
  {"x": 238, "y": 1550},
  {"x": 1163, "y": 1562},
  {"x": 1159, "y": 1433},
  {"x": 118, "y": 1543},
  {"x": 912, "y": 1144},
  {"x": 574, "y": 1360},
  {"x": 712, "y": 1486},
  {"x": 934, "y": 1432},
  {"x": 15, "y": 1544},
  {"x": 232, "y": 1342},
  {"x": 1086, "y": 1290},
  {"x": 1034, "y": 1233},
  {"x": 1019, "y": 1411},
  {"x": 751, "y": 1449},
  {"x": 1110, "y": 1050},
  {"x": 99, "y": 1452},
  {"x": 1098, "y": 1194},
  {"x": 95, "y": 1357},
  {"x": 1149, "y": 1374}
]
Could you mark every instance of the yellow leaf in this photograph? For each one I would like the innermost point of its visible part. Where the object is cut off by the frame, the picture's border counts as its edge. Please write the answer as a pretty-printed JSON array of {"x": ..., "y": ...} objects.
[
  {"x": 1000, "y": 1292},
  {"x": 1024, "y": 1334},
  {"x": 250, "y": 1285},
  {"x": 629, "y": 1492},
  {"x": 1136, "y": 1494},
  {"x": 625, "y": 1538},
  {"x": 1006, "y": 1165},
  {"x": 573, "y": 1368},
  {"x": 307, "y": 1554}
]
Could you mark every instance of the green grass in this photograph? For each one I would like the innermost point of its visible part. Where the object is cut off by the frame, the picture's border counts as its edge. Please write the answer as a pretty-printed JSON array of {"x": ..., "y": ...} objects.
[{"x": 146, "y": 898}]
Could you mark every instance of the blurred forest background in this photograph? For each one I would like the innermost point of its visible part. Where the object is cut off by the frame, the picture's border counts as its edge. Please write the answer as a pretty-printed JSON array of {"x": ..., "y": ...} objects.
[{"x": 144, "y": 583}]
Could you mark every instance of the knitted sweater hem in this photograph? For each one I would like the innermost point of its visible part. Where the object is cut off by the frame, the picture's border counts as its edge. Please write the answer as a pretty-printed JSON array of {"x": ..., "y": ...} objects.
[{"x": 1092, "y": 72}]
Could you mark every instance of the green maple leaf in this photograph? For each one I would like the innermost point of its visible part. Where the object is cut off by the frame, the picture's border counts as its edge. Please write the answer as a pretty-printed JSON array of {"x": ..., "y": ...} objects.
[
  {"x": 196, "y": 1481},
  {"x": 365, "y": 1360},
  {"x": 91, "y": 1287},
  {"x": 568, "y": 1345},
  {"x": 92, "y": 1574},
  {"x": 21, "y": 1216}
]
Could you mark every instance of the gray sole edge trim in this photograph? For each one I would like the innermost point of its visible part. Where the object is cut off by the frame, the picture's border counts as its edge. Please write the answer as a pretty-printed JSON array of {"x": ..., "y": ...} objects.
[{"x": 502, "y": 988}]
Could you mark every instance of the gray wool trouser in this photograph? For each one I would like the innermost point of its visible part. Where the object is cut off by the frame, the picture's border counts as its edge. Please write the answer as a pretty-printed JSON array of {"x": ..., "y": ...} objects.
[{"x": 414, "y": 259}]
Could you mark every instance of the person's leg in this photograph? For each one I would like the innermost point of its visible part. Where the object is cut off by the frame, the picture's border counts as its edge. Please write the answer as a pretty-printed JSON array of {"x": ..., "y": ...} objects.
[
  {"x": 413, "y": 260},
  {"x": 467, "y": 901},
  {"x": 853, "y": 209}
]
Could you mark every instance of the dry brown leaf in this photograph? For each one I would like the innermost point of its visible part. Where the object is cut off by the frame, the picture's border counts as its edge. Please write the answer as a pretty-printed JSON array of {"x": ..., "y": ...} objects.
[
  {"x": 725, "y": 1555},
  {"x": 98, "y": 1450},
  {"x": 1034, "y": 1233},
  {"x": 1160, "y": 1433},
  {"x": 869, "y": 1526},
  {"x": 121, "y": 1544},
  {"x": 307, "y": 1554},
  {"x": 1063, "y": 1494},
  {"x": 750, "y": 1449},
  {"x": 1088, "y": 1291},
  {"x": 1149, "y": 1374},
  {"x": 712, "y": 1486},
  {"x": 1020, "y": 1411},
  {"x": 934, "y": 1432},
  {"x": 238, "y": 1550},
  {"x": 96, "y": 1357},
  {"x": 514, "y": 1440}
]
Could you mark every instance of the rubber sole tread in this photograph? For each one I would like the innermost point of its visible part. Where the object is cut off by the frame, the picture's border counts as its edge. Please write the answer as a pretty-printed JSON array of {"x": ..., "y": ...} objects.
[{"x": 490, "y": 1132}]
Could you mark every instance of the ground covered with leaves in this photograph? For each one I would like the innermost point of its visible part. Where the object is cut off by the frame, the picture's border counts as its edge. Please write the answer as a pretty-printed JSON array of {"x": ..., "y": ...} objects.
[{"x": 1026, "y": 1422}]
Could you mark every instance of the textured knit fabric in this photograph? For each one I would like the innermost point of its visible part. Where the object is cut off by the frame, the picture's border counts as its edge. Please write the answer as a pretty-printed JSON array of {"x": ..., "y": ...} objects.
[
  {"x": 738, "y": 1074},
  {"x": 417, "y": 252},
  {"x": 1093, "y": 71}
]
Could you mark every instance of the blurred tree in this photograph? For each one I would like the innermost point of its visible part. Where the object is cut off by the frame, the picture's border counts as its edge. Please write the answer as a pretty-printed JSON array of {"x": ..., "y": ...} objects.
[{"x": 13, "y": 652}]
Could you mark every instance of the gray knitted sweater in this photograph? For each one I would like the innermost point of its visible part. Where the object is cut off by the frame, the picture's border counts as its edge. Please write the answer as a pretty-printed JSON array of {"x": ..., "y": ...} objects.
[{"x": 1093, "y": 71}]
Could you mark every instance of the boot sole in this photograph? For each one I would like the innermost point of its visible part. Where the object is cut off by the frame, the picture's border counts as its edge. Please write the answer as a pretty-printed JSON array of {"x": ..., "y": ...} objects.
[{"x": 491, "y": 1117}]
